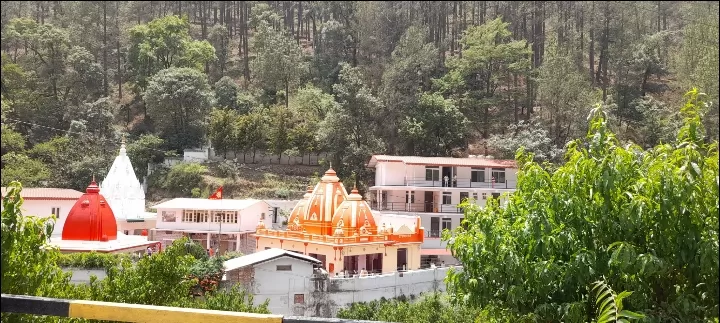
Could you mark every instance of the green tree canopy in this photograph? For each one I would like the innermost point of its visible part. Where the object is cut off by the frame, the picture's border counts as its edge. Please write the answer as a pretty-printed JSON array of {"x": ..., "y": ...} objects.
[
  {"x": 163, "y": 43},
  {"x": 435, "y": 128},
  {"x": 645, "y": 220},
  {"x": 279, "y": 64},
  {"x": 178, "y": 101},
  {"x": 226, "y": 93}
]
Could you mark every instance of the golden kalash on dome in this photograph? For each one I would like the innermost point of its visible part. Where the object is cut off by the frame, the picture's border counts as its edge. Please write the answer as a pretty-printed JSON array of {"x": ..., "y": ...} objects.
[{"x": 341, "y": 231}]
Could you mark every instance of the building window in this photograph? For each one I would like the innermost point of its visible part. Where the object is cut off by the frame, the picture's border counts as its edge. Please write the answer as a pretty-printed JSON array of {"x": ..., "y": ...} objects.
[
  {"x": 484, "y": 196},
  {"x": 477, "y": 175},
  {"x": 299, "y": 298},
  {"x": 196, "y": 216},
  {"x": 475, "y": 196},
  {"x": 283, "y": 268},
  {"x": 56, "y": 212},
  {"x": 411, "y": 195},
  {"x": 446, "y": 224},
  {"x": 432, "y": 173},
  {"x": 499, "y": 175},
  {"x": 225, "y": 217},
  {"x": 262, "y": 216},
  {"x": 447, "y": 198}
]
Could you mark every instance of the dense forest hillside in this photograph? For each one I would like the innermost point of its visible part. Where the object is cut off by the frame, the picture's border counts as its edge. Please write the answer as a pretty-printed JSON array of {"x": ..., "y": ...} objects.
[{"x": 349, "y": 79}]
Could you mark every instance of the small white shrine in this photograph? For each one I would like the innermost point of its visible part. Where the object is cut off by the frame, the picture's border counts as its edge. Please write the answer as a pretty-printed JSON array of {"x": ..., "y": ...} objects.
[{"x": 126, "y": 197}]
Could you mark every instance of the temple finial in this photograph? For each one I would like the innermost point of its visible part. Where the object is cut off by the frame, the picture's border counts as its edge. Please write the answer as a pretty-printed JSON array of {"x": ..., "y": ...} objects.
[
  {"x": 93, "y": 177},
  {"x": 123, "y": 139},
  {"x": 331, "y": 164}
]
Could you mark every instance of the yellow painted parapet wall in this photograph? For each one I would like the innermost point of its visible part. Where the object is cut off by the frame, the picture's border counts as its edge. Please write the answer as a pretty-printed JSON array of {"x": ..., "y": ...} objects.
[{"x": 123, "y": 312}]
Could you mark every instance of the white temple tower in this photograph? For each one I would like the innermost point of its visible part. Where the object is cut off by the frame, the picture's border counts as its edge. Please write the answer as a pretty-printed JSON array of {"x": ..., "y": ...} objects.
[{"x": 125, "y": 194}]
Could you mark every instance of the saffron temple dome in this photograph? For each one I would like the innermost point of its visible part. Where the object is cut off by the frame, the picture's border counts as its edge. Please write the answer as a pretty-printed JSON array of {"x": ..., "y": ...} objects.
[{"x": 341, "y": 230}]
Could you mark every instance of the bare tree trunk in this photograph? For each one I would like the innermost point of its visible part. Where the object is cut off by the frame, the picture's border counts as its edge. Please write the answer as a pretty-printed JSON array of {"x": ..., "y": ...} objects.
[
  {"x": 246, "y": 59},
  {"x": 105, "y": 67}
]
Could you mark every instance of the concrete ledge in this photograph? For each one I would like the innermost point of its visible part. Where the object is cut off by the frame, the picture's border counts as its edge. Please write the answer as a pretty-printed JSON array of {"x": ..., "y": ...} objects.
[
  {"x": 123, "y": 312},
  {"x": 303, "y": 319}
]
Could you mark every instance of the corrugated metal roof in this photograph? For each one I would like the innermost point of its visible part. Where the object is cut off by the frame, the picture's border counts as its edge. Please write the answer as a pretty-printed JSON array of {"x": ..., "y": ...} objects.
[
  {"x": 263, "y": 256},
  {"x": 206, "y": 204},
  {"x": 444, "y": 161},
  {"x": 47, "y": 193}
]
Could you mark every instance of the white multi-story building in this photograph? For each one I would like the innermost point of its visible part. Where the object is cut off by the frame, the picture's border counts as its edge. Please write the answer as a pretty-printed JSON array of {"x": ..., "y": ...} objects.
[
  {"x": 432, "y": 188},
  {"x": 223, "y": 225}
]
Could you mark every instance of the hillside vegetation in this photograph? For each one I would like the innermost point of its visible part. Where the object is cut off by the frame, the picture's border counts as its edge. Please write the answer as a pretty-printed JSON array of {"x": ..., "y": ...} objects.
[{"x": 348, "y": 78}]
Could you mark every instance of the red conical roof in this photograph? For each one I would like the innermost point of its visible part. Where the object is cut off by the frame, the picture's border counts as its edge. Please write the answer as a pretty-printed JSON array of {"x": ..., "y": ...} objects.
[{"x": 91, "y": 218}]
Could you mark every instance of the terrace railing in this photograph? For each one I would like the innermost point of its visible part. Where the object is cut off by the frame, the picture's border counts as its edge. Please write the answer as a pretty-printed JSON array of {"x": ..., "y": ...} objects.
[{"x": 122, "y": 312}]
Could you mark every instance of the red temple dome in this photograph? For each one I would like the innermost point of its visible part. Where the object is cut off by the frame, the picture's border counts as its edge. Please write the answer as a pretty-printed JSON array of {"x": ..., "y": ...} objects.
[{"x": 91, "y": 218}]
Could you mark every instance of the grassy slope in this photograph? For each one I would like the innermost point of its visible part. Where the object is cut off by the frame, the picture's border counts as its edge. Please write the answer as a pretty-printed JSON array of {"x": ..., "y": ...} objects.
[{"x": 255, "y": 181}]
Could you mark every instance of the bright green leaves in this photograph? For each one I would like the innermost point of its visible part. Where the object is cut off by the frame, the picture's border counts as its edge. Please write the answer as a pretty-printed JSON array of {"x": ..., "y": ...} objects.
[
  {"x": 163, "y": 43},
  {"x": 178, "y": 101},
  {"x": 609, "y": 306},
  {"x": 645, "y": 219}
]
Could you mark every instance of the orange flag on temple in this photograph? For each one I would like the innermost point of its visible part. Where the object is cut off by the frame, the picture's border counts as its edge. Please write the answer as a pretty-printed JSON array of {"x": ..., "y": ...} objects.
[{"x": 217, "y": 195}]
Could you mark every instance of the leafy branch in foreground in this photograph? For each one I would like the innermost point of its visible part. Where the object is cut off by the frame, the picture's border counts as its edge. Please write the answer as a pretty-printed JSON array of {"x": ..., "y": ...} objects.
[{"x": 609, "y": 306}]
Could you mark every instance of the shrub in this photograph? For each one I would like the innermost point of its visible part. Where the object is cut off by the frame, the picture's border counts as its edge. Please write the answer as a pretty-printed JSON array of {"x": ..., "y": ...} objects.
[
  {"x": 183, "y": 177},
  {"x": 91, "y": 260},
  {"x": 645, "y": 220}
]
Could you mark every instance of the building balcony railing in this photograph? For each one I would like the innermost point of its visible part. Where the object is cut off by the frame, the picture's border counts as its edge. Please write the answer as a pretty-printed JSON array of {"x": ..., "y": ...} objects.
[
  {"x": 458, "y": 183},
  {"x": 427, "y": 207}
]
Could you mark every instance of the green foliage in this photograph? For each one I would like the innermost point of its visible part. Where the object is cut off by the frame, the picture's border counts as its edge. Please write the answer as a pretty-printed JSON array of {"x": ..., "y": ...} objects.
[
  {"x": 164, "y": 43},
  {"x": 279, "y": 62},
  {"x": 280, "y": 121},
  {"x": 91, "y": 260},
  {"x": 484, "y": 76},
  {"x": 645, "y": 220},
  {"x": 221, "y": 130},
  {"x": 11, "y": 141},
  {"x": 609, "y": 306},
  {"x": 333, "y": 47},
  {"x": 530, "y": 136},
  {"x": 348, "y": 131},
  {"x": 19, "y": 167},
  {"x": 146, "y": 149},
  {"x": 28, "y": 263},
  {"x": 178, "y": 99},
  {"x": 226, "y": 93},
  {"x": 183, "y": 177},
  {"x": 435, "y": 129},
  {"x": 431, "y": 308},
  {"x": 412, "y": 65},
  {"x": 566, "y": 96},
  {"x": 250, "y": 132}
]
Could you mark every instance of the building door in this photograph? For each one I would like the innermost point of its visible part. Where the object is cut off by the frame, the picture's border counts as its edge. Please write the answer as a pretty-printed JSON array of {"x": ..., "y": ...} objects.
[
  {"x": 429, "y": 201},
  {"x": 446, "y": 174},
  {"x": 401, "y": 258},
  {"x": 434, "y": 227}
]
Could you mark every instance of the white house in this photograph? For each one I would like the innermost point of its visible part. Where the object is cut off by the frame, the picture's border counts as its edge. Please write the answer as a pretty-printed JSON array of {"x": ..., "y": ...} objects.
[
  {"x": 295, "y": 286},
  {"x": 432, "y": 188},
  {"x": 125, "y": 195},
  {"x": 45, "y": 202},
  {"x": 224, "y": 225},
  {"x": 277, "y": 275}
]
